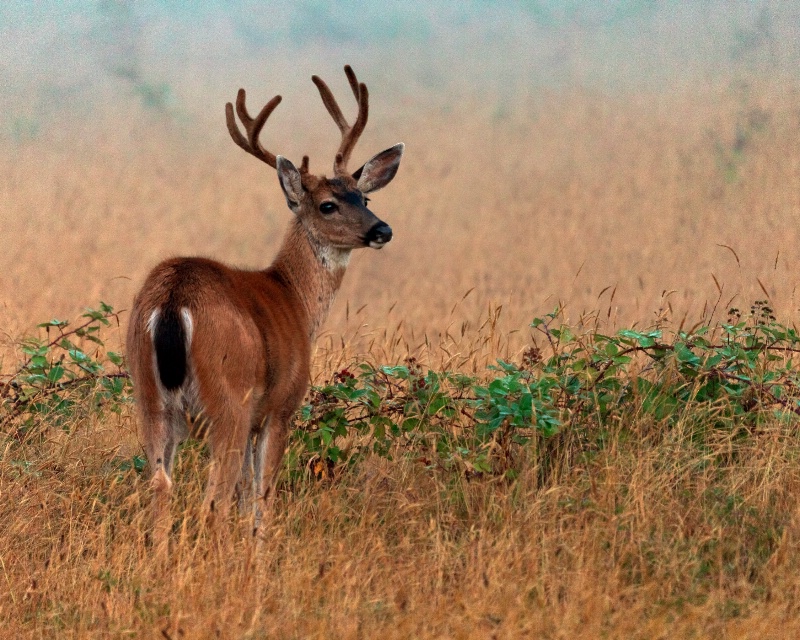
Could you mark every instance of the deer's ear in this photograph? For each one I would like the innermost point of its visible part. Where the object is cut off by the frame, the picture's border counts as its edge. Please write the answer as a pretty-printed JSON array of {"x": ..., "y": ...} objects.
[
  {"x": 379, "y": 170},
  {"x": 291, "y": 182}
]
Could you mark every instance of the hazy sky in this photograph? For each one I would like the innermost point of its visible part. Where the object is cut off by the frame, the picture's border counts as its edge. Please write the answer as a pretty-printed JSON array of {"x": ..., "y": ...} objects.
[{"x": 79, "y": 55}]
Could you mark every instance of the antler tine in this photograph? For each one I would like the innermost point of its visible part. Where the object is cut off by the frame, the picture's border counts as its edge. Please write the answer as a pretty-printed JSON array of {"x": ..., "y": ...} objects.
[
  {"x": 233, "y": 128},
  {"x": 330, "y": 104},
  {"x": 252, "y": 127},
  {"x": 349, "y": 142},
  {"x": 351, "y": 77},
  {"x": 350, "y": 135}
]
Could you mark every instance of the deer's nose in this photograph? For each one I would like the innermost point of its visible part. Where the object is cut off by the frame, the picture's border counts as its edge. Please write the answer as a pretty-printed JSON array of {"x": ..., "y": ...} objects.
[{"x": 379, "y": 235}]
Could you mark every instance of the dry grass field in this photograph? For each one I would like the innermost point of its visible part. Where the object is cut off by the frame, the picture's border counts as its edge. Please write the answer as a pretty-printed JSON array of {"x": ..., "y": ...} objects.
[
  {"x": 623, "y": 209},
  {"x": 559, "y": 198}
]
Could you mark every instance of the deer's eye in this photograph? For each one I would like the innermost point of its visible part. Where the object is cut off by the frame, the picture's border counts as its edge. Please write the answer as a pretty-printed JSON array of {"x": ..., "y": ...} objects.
[
  {"x": 328, "y": 207},
  {"x": 366, "y": 200}
]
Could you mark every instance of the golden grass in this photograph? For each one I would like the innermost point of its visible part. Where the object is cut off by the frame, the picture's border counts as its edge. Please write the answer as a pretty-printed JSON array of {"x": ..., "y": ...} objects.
[
  {"x": 559, "y": 197},
  {"x": 641, "y": 540},
  {"x": 614, "y": 206}
]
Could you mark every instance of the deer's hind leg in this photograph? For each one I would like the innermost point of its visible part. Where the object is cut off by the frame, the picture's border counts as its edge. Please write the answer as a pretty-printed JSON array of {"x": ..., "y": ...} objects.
[
  {"x": 269, "y": 450},
  {"x": 228, "y": 436},
  {"x": 225, "y": 370},
  {"x": 162, "y": 430},
  {"x": 245, "y": 488}
]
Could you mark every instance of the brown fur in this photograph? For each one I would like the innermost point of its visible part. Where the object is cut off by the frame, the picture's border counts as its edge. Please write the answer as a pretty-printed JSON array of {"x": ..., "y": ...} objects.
[
  {"x": 248, "y": 338},
  {"x": 249, "y": 354}
]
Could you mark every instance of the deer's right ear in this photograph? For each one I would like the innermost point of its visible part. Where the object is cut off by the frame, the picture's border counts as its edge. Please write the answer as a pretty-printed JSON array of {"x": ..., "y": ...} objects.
[
  {"x": 380, "y": 169},
  {"x": 291, "y": 182}
]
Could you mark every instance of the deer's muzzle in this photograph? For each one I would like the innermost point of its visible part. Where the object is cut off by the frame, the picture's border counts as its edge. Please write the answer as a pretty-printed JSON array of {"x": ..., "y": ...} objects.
[{"x": 378, "y": 236}]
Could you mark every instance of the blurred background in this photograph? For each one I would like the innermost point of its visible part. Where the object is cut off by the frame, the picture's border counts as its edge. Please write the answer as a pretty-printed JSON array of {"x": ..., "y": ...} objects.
[
  {"x": 624, "y": 159},
  {"x": 78, "y": 56}
]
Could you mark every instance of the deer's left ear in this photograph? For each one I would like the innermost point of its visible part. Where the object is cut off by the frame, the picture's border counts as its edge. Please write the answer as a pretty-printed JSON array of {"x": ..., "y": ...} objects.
[
  {"x": 379, "y": 170},
  {"x": 291, "y": 182}
]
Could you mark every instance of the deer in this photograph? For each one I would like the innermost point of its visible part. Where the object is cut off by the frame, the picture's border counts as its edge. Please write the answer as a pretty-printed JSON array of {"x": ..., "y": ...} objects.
[{"x": 229, "y": 349}]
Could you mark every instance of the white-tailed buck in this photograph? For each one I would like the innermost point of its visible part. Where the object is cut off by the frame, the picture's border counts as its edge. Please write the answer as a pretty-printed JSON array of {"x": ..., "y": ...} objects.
[{"x": 231, "y": 348}]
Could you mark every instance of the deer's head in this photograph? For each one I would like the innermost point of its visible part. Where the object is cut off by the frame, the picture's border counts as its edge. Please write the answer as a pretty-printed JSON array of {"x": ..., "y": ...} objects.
[{"x": 333, "y": 210}]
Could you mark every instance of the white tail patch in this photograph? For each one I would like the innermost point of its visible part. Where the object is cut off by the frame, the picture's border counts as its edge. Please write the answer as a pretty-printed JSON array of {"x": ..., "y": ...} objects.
[
  {"x": 186, "y": 317},
  {"x": 188, "y": 326},
  {"x": 152, "y": 321}
]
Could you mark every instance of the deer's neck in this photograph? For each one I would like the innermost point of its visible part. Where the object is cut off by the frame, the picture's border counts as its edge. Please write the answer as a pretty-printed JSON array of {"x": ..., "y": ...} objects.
[{"x": 313, "y": 270}]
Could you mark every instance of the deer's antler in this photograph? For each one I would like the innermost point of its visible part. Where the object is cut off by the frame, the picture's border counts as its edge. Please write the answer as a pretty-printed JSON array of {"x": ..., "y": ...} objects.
[
  {"x": 252, "y": 127},
  {"x": 350, "y": 134}
]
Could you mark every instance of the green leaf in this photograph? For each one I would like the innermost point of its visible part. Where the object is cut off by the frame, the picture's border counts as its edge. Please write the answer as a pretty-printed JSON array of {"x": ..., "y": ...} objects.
[
  {"x": 684, "y": 354},
  {"x": 645, "y": 340},
  {"x": 38, "y": 362},
  {"x": 78, "y": 356},
  {"x": 34, "y": 349},
  {"x": 53, "y": 323},
  {"x": 396, "y": 372}
]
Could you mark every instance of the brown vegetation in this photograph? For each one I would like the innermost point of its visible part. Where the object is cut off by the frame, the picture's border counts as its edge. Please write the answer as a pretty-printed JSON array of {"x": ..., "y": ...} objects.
[{"x": 622, "y": 207}]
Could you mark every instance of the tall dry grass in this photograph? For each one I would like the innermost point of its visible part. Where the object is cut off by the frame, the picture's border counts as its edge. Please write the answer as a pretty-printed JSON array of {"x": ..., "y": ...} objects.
[
  {"x": 619, "y": 207},
  {"x": 559, "y": 197},
  {"x": 646, "y": 538}
]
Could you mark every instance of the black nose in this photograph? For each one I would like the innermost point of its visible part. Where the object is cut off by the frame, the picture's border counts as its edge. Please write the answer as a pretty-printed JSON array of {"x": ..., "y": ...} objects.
[{"x": 381, "y": 233}]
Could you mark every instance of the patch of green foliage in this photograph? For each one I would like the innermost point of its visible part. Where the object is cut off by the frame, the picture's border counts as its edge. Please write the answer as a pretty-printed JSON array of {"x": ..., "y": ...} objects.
[
  {"x": 66, "y": 375},
  {"x": 729, "y": 376},
  {"x": 726, "y": 376}
]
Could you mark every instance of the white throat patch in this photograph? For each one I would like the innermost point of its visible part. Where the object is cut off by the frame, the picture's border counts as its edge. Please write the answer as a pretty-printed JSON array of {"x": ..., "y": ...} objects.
[{"x": 333, "y": 259}]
